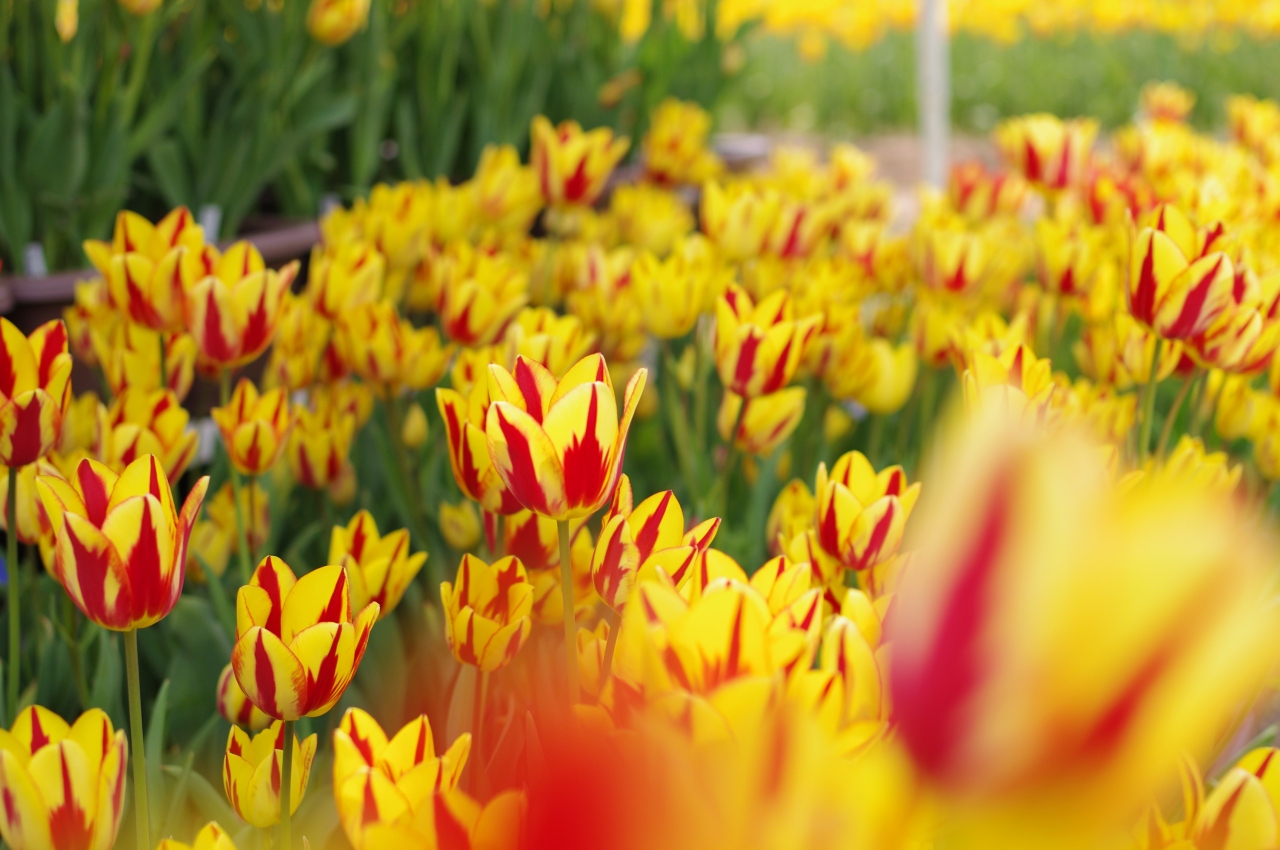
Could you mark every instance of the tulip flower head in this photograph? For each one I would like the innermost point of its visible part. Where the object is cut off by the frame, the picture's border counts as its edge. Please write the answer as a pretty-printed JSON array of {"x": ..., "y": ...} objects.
[
  {"x": 331, "y": 22},
  {"x": 558, "y": 446},
  {"x": 473, "y": 468},
  {"x": 254, "y": 426},
  {"x": 764, "y": 422},
  {"x": 1179, "y": 282},
  {"x": 232, "y": 312},
  {"x": 573, "y": 166},
  {"x": 35, "y": 390},
  {"x": 235, "y": 707},
  {"x": 1047, "y": 151},
  {"x": 759, "y": 347},
  {"x": 379, "y": 568},
  {"x": 121, "y": 541},
  {"x": 63, "y": 783},
  {"x": 675, "y": 147},
  {"x": 141, "y": 422},
  {"x": 459, "y": 525},
  {"x": 508, "y": 195},
  {"x": 298, "y": 641},
  {"x": 487, "y": 611},
  {"x": 318, "y": 445},
  {"x": 389, "y": 352},
  {"x": 34, "y": 524},
  {"x": 130, "y": 358},
  {"x": 381, "y": 783},
  {"x": 251, "y": 771},
  {"x": 210, "y": 837}
]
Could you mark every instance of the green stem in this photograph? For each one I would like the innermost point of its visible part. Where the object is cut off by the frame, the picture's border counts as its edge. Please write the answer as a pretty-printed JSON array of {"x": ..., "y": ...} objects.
[
  {"x": 1167, "y": 431},
  {"x": 1149, "y": 407},
  {"x": 606, "y": 666},
  {"x": 142, "y": 825},
  {"x": 677, "y": 423},
  {"x": 138, "y": 73},
  {"x": 720, "y": 495},
  {"x": 286, "y": 790},
  {"x": 72, "y": 617},
  {"x": 874, "y": 439},
  {"x": 15, "y": 606},
  {"x": 570, "y": 622},
  {"x": 701, "y": 373},
  {"x": 242, "y": 531},
  {"x": 407, "y": 471}
]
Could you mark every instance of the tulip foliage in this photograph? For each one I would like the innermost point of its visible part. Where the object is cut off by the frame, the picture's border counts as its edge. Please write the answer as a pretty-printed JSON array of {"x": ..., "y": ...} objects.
[{"x": 767, "y": 526}]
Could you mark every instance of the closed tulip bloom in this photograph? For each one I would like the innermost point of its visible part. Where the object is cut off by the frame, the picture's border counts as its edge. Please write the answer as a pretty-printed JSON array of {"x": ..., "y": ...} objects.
[
  {"x": 232, "y": 312},
  {"x": 389, "y": 352},
  {"x": 343, "y": 277},
  {"x": 121, "y": 541},
  {"x": 379, "y": 568},
  {"x": 473, "y": 469},
  {"x": 35, "y": 390},
  {"x": 764, "y": 422},
  {"x": 344, "y": 396},
  {"x": 34, "y": 524},
  {"x": 675, "y": 147},
  {"x": 649, "y": 218},
  {"x": 791, "y": 515},
  {"x": 91, "y": 312},
  {"x": 954, "y": 260},
  {"x": 210, "y": 837},
  {"x": 558, "y": 446},
  {"x": 573, "y": 166},
  {"x": 319, "y": 443},
  {"x": 892, "y": 379},
  {"x": 759, "y": 347},
  {"x": 1177, "y": 286},
  {"x": 141, "y": 422},
  {"x": 254, "y": 427},
  {"x": 1166, "y": 101},
  {"x": 861, "y": 514},
  {"x": 979, "y": 193},
  {"x": 1017, "y": 379},
  {"x": 66, "y": 19},
  {"x": 738, "y": 218},
  {"x": 672, "y": 293},
  {"x": 63, "y": 784},
  {"x": 379, "y": 784},
  {"x": 1122, "y": 352},
  {"x": 487, "y": 611},
  {"x": 476, "y": 308},
  {"x": 235, "y": 707},
  {"x": 635, "y": 544},
  {"x": 1047, "y": 151},
  {"x": 508, "y": 194},
  {"x": 414, "y": 430},
  {"x": 298, "y": 641},
  {"x": 1036, "y": 663},
  {"x": 459, "y": 525},
  {"x": 252, "y": 768},
  {"x": 331, "y": 22},
  {"x": 130, "y": 358},
  {"x": 302, "y": 338}
]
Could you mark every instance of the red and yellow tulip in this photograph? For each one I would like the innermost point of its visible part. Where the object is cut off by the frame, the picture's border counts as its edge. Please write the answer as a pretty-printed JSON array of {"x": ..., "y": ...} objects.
[
  {"x": 251, "y": 772},
  {"x": 232, "y": 311},
  {"x": 573, "y": 166},
  {"x": 235, "y": 707},
  {"x": 487, "y": 611},
  {"x": 210, "y": 837},
  {"x": 379, "y": 567},
  {"x": 142, "y": 422},
  {"x": 254, "y": 426},
  {"x": 318, "y": 445},
  {"x": 388, "y": 351},
  {"x": 759, "y": 347},
  {"x": 35, "y": 390},
  {"x": 473, "y": 468}
]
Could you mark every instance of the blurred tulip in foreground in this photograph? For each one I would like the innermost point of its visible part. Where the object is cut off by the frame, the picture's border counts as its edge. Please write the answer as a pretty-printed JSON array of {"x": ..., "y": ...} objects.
[{"x": 331, "y": 22}]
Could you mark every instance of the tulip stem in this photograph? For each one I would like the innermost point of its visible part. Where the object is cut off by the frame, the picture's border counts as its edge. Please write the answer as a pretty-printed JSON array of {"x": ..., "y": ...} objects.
[
  {"x": 1149, "y": 406},
  {"x": 407, "y": 471},
  {"x": 286, "y": 789},
  {"x": 1167, "y": 431},
  {"x": 15, "y": 607},
  {"x": 142, "y": 823},
  {"x": 570, "y": 622},
  {"x": 606, "y": 666},
  {"x": 242, "y": 531},
  {"x": 77, "y": 663},
  {"x": 720, "y": 498}
]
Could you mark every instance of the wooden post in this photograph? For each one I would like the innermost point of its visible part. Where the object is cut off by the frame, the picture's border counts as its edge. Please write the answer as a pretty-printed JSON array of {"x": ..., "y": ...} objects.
[{"x": 933, "y": 90}]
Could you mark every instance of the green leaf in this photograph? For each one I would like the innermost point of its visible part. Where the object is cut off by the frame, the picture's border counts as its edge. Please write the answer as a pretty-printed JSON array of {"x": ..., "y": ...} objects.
[
  {"x": 218, "y": 595},
  {"x": 164, "y": 111},
  {"x": 155, "y": 751},
  {"x": 211, "y": 804},
  {"x": 107, "y": 691}
]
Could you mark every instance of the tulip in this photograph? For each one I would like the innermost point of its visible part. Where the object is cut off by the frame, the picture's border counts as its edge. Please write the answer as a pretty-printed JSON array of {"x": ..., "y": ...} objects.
[
  {"x": 649, "y": 218},
  {"x": 379, "y": 784},
  {"x": 508, "y": 195},
  {"x": 759, "y": 347},
  {"x": 981, "y": 194},
  {"x": 389, "y": 352},
  {"x": 32, "y": 519},
  {"x": 738, "y": 219},
  {"x": 254, "y": 427},
  {"x": 473, "y": 469},
  {"x": 1017, "y": 379},
  {"x": 235, "y": 707},
  {"x": 1122, "y": 353},
  {"x": 379, "y": 568},
  {"x": 79, "y": 425},
  {"x": 318, "y": 445},
  {"x": 413, "y": 431},
  {"x": 1035, "y": 665},
  {"x": 476, "y": 308},
  {"x": 893, "y": 377},
  {"x": 232, "y": 312},
  {"x": 298, "y": 641},
  {"x": 91, "y": 313},
  {"x": 1166, "y": 102},
  {"x": 344, "y": 277},
  {"x": 955, "y": 261},
  {"x": 675, "y": 147},
  {"x": 302, "y": 338},
  {"x": 211, "y": 837},
  {"x": 130, "y": 358},
  {"x": 672, "y": 294},
  {"x": 459, "y": 525},
  {"x": 350, "y": 397},
  {"x": 535, "y": 540},
  {"x": 635, "y": 543},
  {"x": 558, "y": 446},
  {"x": 1177, "y": 286},
  {"x": 791, "y": 515},
  {"x": 763, "y": 423},
  {"x": 35, "y": 390},
  {"x": 121, "y": 542},
  {"x": 141, "y": 422},
  {"x": 216, "y": 533},
  {"x": 487, "y": 612},
  {"x": 1047, "y": 151},
  {"x": 66, "y": 19},
  {"x": 551, "y": 340},
  {"x": 252, "y": 768},
  {"x": 331, "y": 22},
  {"x": 573, "y": 166},
  {"x": 63, "y": 783}
]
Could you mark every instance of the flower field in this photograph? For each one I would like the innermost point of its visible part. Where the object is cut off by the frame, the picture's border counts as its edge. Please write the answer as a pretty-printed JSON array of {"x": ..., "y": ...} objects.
[{"x": 616, "y": 495}]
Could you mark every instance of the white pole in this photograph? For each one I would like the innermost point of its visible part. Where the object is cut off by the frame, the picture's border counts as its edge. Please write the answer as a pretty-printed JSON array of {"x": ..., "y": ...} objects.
[{"x": 933, "y": 89}]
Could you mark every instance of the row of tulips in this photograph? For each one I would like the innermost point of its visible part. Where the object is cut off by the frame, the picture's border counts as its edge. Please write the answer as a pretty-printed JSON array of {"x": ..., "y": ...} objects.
[{"x": 637, "y": 630}]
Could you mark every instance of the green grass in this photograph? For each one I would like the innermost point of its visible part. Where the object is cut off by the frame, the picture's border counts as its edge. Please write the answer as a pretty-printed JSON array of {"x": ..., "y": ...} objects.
[{"x": 872, "y": 90}]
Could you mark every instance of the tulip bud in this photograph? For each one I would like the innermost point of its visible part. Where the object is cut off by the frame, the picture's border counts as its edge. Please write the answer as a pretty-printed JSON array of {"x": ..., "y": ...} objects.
[
  {"x": 235, "y": 707},
  {"x": 378, "y": 567},
  {"x": 460, "y": 525},
  {"x": 487, "y": 616},
  {"x": 573, "y": 165},
  {"x": 414, "y": 429},
  {"x": 66, "y": 19},
  {"x": 251, "y": 771},
  {"x": 331, "y": 22}
]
